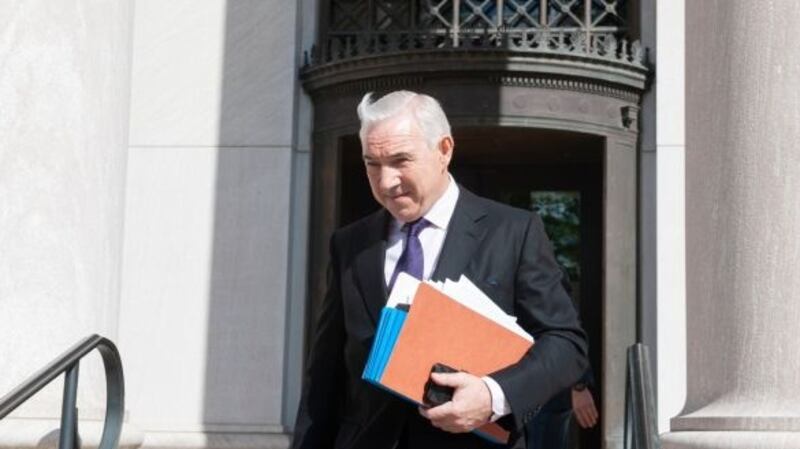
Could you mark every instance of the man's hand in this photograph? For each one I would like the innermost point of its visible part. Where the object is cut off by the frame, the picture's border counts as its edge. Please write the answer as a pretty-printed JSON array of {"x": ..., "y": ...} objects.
[
  {"x": 583, "y": 408},
  {"x": 470, "y": 408}
]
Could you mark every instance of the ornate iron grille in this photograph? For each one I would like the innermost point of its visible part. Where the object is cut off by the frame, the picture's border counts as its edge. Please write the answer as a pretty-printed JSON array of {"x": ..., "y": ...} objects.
[{"x": 589, "y": 28}]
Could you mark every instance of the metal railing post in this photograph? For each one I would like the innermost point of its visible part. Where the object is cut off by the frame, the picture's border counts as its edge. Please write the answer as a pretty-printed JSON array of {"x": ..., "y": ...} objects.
[
  {"x": 630, "y": 413},
  {"x": 68, "y": 435},
  {"x": 641, "y": 428},
  {"x": 456, "y": 22},
  {"x": 67, "y": 364}
]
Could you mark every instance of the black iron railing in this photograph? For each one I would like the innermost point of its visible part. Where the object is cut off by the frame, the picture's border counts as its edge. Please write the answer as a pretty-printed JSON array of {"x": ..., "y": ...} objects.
[
  {"x": 68, "y": 364},
  {"x": 588, "y": 29},
  {"x": 641, "y": 426}
]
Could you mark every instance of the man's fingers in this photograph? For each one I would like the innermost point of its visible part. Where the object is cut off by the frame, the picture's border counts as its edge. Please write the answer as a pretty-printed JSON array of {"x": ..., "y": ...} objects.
[
  {"x": 470, "y": 407},
  {"x": 579, "y": 418},
  {"x": 444, "y": 417},
  {"x": 592, "y": 414},
  {"x": 584, "y": 409},
  {"x": 585, "y": 418},
  {"x": 423, "y": 411},
  {"x": 449, "y": 379},
  {"x": 439, "y": 412},
  {"x": 591, "y": 418}
]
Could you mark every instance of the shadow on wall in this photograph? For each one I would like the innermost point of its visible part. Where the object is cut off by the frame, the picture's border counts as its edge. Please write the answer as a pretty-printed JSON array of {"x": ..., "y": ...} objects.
[{"x": 243, "y": 382}]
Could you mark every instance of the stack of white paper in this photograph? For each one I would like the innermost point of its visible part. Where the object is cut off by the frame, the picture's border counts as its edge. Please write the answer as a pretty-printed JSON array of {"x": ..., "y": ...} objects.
[{"x": 463, "y": 291}]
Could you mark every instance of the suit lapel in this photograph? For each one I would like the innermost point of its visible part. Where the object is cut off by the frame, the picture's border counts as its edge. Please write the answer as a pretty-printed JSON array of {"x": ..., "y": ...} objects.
[
  {"x": 464, "y": 233},
  {"x": 369, "y": 266}
]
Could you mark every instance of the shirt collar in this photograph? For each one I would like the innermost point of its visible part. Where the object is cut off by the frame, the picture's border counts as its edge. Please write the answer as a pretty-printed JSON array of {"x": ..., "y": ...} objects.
[{"x": 442, "y": 210}]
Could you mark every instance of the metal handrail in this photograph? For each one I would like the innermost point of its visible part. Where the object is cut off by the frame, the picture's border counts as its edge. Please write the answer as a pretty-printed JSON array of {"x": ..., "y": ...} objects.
[
  {"x": 68, "y": 364},
  {"x": 641, "y": 427}
]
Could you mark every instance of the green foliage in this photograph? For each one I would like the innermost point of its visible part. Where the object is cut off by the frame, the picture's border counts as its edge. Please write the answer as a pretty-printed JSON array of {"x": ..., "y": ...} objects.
[{"x": 560, "y": 212}]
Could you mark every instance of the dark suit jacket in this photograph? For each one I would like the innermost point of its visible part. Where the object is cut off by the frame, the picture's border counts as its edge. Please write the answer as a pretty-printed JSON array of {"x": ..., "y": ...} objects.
[{"x": 506, "y": 253}]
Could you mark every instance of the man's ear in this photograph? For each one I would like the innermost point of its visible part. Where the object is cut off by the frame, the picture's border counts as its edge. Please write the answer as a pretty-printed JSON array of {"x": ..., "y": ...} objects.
[{"x": 446, "y": 149}]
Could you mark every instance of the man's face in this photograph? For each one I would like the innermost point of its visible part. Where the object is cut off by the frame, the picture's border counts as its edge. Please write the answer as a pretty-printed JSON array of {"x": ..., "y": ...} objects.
[{"x": 405, "y": 175}]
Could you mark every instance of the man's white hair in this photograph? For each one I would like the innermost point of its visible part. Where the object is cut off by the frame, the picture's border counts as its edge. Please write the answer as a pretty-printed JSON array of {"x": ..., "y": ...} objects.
[{"x": 424, "y": 108}]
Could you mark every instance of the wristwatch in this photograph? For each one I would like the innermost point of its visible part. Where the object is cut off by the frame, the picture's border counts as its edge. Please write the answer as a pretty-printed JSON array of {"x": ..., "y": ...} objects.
[{"x": 580, "y": 386}]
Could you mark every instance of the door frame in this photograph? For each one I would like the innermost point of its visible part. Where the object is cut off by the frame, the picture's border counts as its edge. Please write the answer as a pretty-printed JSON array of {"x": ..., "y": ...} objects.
[{"x": 517, "y": 103}]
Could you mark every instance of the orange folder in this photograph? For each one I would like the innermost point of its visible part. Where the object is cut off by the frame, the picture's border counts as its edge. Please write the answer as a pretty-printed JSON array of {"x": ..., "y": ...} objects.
[{"x": 439, "y": 329}]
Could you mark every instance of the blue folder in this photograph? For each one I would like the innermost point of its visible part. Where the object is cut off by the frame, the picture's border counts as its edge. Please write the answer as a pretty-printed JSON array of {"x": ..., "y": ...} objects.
[{"x": 389, "y": 327}]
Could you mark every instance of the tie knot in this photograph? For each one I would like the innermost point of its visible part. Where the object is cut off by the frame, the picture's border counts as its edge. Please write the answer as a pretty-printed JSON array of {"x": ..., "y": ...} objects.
[{"x": 413, "y": 228}]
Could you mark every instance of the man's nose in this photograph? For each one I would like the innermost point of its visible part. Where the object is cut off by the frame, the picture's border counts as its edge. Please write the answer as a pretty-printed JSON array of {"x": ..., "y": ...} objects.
[{"x": 389, "y": 179}]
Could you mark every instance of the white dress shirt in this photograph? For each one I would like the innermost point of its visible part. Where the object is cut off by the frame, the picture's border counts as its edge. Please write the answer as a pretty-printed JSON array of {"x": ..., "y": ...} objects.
[{"x": 432, "y": 238}]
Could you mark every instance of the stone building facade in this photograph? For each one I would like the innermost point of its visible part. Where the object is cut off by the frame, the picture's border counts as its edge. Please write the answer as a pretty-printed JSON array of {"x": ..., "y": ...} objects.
[{"x": 170, "y": 173}]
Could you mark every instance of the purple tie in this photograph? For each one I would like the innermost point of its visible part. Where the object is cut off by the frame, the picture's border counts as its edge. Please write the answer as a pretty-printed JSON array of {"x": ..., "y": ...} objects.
[{"x": 412, "y": 259}]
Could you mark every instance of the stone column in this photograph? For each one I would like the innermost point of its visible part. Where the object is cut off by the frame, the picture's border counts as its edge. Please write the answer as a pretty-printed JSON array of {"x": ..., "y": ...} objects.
[
  {"x": 619, "y": 286},
  {"x": 64, "y": 90},
  {"x": 209, "y": 229},
  {"x": 743, "y": 222}
]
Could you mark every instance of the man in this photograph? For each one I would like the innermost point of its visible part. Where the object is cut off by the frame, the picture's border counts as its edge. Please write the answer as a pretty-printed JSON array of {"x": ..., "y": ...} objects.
[
  {"x": 550, "y": 429},
  {"x": 433, "y": 229}
]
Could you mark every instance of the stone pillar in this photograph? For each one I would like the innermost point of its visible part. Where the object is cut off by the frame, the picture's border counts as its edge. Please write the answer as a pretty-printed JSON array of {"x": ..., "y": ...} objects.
[
  {"x": 743, "y": 221},
  {"x": 210, "y": 224},
  {"x": 64, "y": 91},
  {"x": 619, "y": 286}
]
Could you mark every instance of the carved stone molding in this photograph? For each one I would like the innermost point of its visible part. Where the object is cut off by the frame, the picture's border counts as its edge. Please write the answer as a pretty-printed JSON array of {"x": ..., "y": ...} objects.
[
  {"x": 567, "y": 84},
  {"x": 449, "y": 61},
  {"x": 597, "y": 47},
  {"x": 494, "y": 100},
  {"x": 375, "y": 84}
]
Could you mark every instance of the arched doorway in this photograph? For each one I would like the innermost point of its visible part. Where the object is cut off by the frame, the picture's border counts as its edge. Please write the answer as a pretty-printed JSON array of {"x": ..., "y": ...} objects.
[
  {"x": 556, "y": 114},
  {"x": 587, "y": 144}
]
